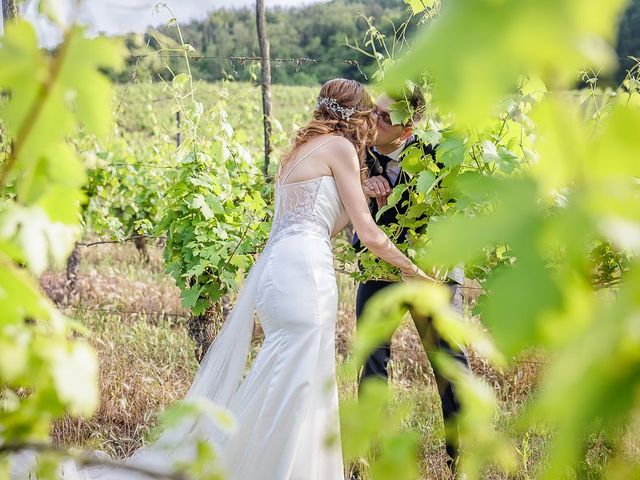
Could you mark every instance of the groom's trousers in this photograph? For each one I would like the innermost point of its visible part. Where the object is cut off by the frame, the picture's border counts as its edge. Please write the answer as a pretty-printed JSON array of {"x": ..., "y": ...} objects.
[{"x": 376, "y": 364}]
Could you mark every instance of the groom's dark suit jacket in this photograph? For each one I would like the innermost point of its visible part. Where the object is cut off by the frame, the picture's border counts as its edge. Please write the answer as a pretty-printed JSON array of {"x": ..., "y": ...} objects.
[{"x": 376, "y": 163}]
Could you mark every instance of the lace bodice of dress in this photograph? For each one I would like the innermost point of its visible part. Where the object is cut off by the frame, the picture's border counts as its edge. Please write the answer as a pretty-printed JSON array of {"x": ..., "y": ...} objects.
[{"x": 311, "y": 205}]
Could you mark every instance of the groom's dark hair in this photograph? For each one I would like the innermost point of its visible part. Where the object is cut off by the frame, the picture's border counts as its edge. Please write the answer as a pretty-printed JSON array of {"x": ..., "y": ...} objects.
[{"x": 415, "y": 103}]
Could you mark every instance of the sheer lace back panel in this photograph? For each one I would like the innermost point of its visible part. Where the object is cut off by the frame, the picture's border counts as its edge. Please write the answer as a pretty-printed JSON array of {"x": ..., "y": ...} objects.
[{"x": 309, "y": 205}]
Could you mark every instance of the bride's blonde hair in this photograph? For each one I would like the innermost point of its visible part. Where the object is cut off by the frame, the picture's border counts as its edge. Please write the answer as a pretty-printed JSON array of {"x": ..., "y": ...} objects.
[{"x": 359, "y": 128}]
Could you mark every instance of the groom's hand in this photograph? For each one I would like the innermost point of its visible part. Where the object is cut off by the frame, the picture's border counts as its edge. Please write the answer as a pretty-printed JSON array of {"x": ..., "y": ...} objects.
[{"x": 377, "y": 187}]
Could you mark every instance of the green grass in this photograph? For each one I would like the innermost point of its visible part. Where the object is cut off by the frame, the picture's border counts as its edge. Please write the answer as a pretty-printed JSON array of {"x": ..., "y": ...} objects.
[{"x": 145, "y": 109}]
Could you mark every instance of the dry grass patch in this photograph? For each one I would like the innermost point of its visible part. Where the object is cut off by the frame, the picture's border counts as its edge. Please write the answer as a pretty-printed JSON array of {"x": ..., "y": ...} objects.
[{"x": 144, "y": 367}]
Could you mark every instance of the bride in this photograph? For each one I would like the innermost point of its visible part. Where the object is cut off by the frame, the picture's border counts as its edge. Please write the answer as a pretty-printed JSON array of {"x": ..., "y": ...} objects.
[{"x": 286, "y": 408}]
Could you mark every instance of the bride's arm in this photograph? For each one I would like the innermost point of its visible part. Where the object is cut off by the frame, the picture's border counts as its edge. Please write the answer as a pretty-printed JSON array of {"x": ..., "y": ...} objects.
[{"x": 346, "y": 172}]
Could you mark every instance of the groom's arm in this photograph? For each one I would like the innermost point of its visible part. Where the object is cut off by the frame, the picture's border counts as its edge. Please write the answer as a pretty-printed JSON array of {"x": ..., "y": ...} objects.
[{"x": 377, "y": 188}]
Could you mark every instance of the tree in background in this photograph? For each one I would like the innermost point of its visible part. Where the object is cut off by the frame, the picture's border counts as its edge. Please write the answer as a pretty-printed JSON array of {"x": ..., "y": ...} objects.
[{"x": 319, "y": 31}]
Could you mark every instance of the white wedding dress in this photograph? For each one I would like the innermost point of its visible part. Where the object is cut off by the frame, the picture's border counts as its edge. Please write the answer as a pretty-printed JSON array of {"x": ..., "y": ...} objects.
[{"x": 286, "y": 408}]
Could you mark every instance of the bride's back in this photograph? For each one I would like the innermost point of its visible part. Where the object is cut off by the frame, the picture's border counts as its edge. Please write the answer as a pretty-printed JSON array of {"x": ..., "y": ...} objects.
[
  {"x": 310, "y": 160},
  {"x": 307, "y": 198}
]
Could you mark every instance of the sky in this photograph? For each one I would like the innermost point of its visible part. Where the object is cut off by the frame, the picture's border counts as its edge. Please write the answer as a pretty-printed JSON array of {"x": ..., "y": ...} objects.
[{"x": 122, "y": 16}]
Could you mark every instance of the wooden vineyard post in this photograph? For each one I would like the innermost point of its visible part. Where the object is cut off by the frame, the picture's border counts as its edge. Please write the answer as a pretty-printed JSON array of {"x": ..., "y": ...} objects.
[
  {"x": 73, "y": 269},
  {"x": 9, "y": 10},
  {"x": 9, "y": 13},
  {"x": 265, "y": 83}
]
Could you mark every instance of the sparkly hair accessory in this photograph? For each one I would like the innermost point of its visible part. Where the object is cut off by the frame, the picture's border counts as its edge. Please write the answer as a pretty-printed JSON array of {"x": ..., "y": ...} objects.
[{"x": 333, "y": 105}]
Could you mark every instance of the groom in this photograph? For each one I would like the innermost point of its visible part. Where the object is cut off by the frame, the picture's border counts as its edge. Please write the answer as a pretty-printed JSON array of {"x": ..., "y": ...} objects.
[{"x": 383, "y": 162}]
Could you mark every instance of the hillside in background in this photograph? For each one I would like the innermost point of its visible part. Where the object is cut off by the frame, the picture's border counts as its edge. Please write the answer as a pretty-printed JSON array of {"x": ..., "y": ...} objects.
[{"x": 319, "y": 31}]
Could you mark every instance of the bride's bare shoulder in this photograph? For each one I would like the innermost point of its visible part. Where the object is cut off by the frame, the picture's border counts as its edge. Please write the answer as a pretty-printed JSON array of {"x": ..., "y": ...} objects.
[
  {"x": 343, "y": 151},
  {"x": 343, "y": 144}
]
